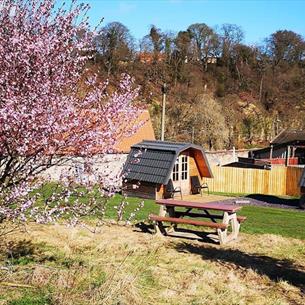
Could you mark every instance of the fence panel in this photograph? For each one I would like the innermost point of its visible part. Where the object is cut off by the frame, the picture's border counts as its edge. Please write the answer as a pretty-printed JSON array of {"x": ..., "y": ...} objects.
[
  {"x": 277, "y": 181},
  {"x": 292, "y": 184}
]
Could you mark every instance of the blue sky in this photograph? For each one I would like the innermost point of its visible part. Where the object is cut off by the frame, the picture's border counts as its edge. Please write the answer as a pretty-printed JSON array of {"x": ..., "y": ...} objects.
[{"x": 258, "y": 18}]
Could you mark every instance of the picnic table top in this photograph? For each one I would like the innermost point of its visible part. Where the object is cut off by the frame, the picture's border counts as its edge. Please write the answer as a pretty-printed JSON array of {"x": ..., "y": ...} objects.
[{"x": 199, "y": 205}]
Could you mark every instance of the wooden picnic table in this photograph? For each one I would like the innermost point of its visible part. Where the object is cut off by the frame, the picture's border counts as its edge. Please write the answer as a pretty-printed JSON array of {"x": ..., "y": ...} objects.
[
  {"x": 169, "y": 213},
  {"x": 199, "y": 205}
]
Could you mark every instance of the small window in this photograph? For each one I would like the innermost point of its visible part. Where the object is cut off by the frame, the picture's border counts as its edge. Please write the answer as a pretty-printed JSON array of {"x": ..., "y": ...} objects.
[
  {"x": 176, "y": 171},
  {"x": 184, "y": 168}
]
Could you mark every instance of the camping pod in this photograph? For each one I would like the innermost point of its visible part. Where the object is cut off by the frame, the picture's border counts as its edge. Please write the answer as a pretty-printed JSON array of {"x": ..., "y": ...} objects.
[{"x": 152, "y": 165}]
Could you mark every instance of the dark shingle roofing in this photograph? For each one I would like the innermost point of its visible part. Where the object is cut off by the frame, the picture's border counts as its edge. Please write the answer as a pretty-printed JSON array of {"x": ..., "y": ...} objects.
[
  {"x": 153, "y": 161},
  {"x": 302, "y": 180},
  {"x": 287, "y": 136}
]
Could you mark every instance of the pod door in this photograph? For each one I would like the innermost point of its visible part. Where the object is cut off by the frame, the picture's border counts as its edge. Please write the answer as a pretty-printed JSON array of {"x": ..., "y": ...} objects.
[{"x": 180, "y": 175}]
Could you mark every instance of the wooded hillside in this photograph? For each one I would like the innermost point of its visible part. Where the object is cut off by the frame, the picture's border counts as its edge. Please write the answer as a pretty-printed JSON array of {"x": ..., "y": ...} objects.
[{"x": 231, "y": 93}]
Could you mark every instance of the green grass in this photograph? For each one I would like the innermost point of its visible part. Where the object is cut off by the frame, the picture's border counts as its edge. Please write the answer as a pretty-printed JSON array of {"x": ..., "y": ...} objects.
[
  {"x": 149, "y": 207},
  {"x": 246, "y": 195},
  {"x": 31, "y": 298},
  {"x": 285, "y": 222},
  {"x": 230, "y": 194},
  {"x": 260, "y": 220},
  {"x": 111, "y": 205}
]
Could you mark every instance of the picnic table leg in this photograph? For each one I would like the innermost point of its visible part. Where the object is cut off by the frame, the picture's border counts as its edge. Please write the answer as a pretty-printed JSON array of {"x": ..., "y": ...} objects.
[
  {"x": 229, "y": 219},
  {"x": 162, "y": 210},
  {"x": 159, "y": 228},
  {"x": 223, "y": 234},
  {"x": 235, "y": 226},
  {"x": 171, "y": 213}
]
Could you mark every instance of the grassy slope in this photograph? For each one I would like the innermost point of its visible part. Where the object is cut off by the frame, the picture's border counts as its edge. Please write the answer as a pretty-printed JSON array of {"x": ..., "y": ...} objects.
[
  {"x": 121, "y": 265},
  {"x": 283, "y": 222},
  {"x": 68, "y": 266}
]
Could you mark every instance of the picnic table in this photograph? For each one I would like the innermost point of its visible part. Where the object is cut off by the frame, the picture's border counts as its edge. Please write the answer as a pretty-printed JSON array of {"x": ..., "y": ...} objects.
[{"x": 174, "y": 211}]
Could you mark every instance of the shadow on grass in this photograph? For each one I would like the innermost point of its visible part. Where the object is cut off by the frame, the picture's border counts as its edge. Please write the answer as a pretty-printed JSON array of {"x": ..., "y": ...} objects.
[
  {"x": 293, "y": 202},
  {"x": 144, "y": 228},
  {"x": 185, "y": 233},
  {"x": 275, "y": 269},
  {"x": 23, "y": 252}
]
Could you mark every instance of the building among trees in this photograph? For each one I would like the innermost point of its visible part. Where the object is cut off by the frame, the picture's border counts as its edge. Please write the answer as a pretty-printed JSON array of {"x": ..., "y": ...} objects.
[{"x": 287, "y": 148}]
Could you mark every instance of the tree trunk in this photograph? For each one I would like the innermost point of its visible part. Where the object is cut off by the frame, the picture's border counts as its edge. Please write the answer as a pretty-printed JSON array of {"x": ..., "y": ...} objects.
[{"x": 261, "y": 89}]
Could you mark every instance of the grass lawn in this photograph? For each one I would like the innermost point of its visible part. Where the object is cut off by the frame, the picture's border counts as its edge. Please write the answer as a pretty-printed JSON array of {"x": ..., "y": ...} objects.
[
  {"x": 246, "y": 195},
  {"x": 262, "y": 220},
  {"x": 60, "y": 265},
  {"x": 283, "y": 222}
]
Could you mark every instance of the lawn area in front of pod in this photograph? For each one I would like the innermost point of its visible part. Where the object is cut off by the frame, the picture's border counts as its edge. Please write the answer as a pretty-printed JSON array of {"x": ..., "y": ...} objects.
[
  {"x": 116, "y": 265},
  {"x": 260, "y": 220}
]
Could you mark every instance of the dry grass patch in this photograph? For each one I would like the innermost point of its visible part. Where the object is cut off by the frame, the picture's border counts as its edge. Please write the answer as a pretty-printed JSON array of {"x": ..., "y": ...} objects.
[{"x": 122, "y": 265}]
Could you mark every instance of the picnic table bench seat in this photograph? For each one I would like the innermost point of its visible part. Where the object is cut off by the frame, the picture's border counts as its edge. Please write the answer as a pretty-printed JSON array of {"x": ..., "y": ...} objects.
[
  {"x": 241, "y": 219},
  {"x": 188, "y": 221}
]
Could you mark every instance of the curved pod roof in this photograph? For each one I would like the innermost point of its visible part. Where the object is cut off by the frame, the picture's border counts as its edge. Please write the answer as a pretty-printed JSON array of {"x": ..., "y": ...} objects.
[{"x": 153, "y": 161}]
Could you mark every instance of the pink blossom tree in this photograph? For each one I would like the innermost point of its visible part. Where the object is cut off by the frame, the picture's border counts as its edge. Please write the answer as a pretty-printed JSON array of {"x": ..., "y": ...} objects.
[{"x": 50, "y": 103}]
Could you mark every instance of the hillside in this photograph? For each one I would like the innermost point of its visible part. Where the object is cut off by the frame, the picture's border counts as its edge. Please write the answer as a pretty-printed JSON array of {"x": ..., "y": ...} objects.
[{"x": 232, "y": 94}]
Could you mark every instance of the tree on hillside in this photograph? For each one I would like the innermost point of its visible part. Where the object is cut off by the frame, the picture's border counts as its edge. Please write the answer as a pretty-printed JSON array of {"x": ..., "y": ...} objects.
[
  {"x": 285, "y": 46},
  {"x": 183, "y": 44},
  {"x": 43, "y": 113},
  {"x": 279, "y": 64},
  {"x": 156, "y": 38},
  {"x": 243, "y": 61},
  {"x": 114, "y": 44},
  {"x": 230, "y": 35},
  {"x": 181, "y": 55},
  {"x": 155, "y": 47},
  {"x": 210, "y": 122},
  {"x": 153, "y": 43},
  {"x": 206, "y": 116},
  {"x": 169, "y": 45},
  {"x": 205, "y": 41}
]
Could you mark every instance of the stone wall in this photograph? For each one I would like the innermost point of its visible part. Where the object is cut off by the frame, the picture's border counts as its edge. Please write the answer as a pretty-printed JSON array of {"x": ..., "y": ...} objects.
[
  {"x": 107, "y": 166},
  {"x": 223, "y": 157}
]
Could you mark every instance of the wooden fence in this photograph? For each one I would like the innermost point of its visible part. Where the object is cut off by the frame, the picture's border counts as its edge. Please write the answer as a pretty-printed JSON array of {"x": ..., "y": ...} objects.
[{"x": 277, "y": 181}]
